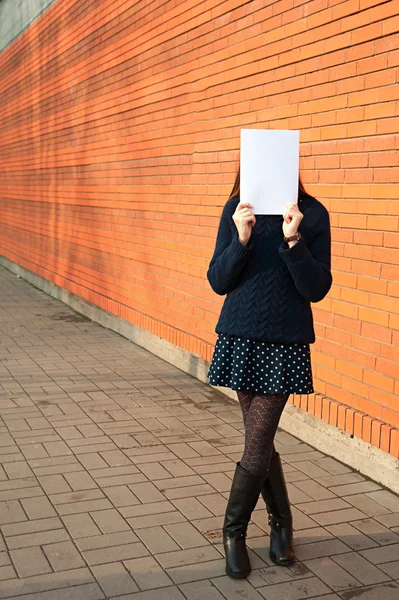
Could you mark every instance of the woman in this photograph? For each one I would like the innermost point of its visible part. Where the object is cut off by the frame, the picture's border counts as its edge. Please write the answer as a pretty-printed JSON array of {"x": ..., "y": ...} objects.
[{"x": 271, "y": 269}]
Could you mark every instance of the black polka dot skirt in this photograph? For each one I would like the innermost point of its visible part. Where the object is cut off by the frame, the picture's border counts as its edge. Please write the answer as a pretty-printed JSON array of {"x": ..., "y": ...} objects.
[{"x": 263, "y": 367}]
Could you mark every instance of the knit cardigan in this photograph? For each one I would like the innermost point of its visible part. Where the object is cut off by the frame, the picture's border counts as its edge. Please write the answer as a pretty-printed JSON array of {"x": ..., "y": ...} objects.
[{"x": 269, "y": 285}]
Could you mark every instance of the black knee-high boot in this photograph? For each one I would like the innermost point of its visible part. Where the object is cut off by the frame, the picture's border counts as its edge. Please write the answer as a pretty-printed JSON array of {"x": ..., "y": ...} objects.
[
  {"x": 275, "y": 495},
  {"x": 244, "y": 495}
]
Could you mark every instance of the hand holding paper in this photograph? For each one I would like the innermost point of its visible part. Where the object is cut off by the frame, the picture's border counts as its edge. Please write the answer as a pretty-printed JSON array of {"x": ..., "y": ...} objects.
[{"x": 269, "y": 169}]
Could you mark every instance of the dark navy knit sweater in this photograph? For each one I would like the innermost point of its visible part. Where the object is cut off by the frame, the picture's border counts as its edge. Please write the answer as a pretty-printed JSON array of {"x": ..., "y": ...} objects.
[{"x": 270, "y": 286}]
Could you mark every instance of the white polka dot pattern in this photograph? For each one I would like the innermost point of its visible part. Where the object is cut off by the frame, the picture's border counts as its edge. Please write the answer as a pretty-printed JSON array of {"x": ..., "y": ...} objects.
[{"x": 263, "y": 367}]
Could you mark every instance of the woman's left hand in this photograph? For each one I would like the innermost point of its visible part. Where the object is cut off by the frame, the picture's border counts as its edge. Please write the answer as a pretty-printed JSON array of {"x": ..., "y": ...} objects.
[{"x": 292, "y": 218}]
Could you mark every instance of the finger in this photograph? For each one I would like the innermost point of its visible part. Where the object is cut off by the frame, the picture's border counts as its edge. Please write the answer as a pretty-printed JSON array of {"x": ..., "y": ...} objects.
[
  {"x": 244, "y": 205},
  {"x": 246, "y": 213}
]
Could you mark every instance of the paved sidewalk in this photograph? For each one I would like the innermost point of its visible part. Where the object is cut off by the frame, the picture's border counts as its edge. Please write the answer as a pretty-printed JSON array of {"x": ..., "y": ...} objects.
[{"x": 116, "y": 467}]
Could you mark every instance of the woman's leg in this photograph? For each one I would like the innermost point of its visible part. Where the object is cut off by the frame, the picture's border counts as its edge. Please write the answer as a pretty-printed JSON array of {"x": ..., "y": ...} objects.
[
  {"x": 261, "y": 422},
  {"x": 245, "y": 399},
  {"x": 261, "y": 416}
]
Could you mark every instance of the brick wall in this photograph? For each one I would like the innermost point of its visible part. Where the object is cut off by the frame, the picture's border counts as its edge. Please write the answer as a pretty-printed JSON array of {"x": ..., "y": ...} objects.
[{"x": 119, "y": 144}]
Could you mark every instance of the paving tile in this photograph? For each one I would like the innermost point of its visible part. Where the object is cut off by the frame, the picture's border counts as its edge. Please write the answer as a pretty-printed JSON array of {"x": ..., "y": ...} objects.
[
  {"x": 80, "y": 481},
  {"x": 147, "y": 492},
  {"x": 314, "y": 489},
  {"x": 196, "y": 572},
  {"x": 115, "y": 553},
  {"x": 391, "y": 569},
  {"x": 235, "y": 589},
  {"x": 107, "y": 540},
  {"x": 389, "y": 520},
  {"x": 37, "y": 539},
  {"x": 376, "y": 531},
  {"x": 92, "y": 461},
  {"x": 178, "y": 468},
  {"x": 154, "y": 471},
  {"x": 21, "y": 528},
  {"x": 186, "y": 535},
  {"x": 364, "y": 503},
  {"x": 30, "y": 561},
  {"x": 182, "y": 450},
  {"x": 273, "y": 575},
  {"x": 157, "y": 540},
  {"x": 360, "y": 568},
  {"x": 192, "y": 508},
  {"x": 80, "y": 592},
  {"x": 121, "y": 495},
  {"x": 355, "y": 488},
  {"x": 386, "y": 498},
  {"x": 219, "y": 481},
  {"x": 381, "y": 555},
  {"x": 7, "y": 572},
  {"x": 295, "y": 590},
  {"x": 110, "y": 521},
  {"x": 333, "y": 480},
  {"x": 203, "y": 448},
  {"x": 103, "y": 473},
  {"x": 152, "y": 508},
  {"x": 147, "y": 573},
  {"x": 168, "y": 593},
  {"x": 215, "y": 503},
  {"x": 332, "y": 574},
  {"x": 351, "y": 536},
  {"x": 332, "y": 466},
  {"x": 188, "y": 556},
  {"x": 323, "y": 506},
  {"x": 40, "y": 584},
  {"x": 79, "y": 496},
  {"x": 199, "y": 590},
  {"x": 320, "y": 549},
  {"x": 57, "y": 448},
  {"x": 114, "y": 579},
  {"x": 189, "y": 491},
  {"x": 18, "y": 470},
  {"x": 63, "y": 556},
  {"x": 338, "y": 516},
  {"x": 314, "y": 534},
  {"x": 53, "y": 484},
  {"x": 81, "y": 525},
  {"x": 387, "y": 591},
  {"x": 83, "y": 506},
  {"x": 38, "y": 508},
  {"x": 11, "y": 512}
]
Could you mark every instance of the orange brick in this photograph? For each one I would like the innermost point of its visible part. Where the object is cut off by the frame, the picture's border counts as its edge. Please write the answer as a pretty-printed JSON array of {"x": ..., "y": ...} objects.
[
  {"x": 341, "y": 417},
  {"x": 333, "y": 415},
  {"x": 376, "y": 433},
  {"x": 394, "y": 445},
  {"x": 358, "y": 424},
  {"x": 366, "y": 432},
  {"x": 385, "y": 438}
]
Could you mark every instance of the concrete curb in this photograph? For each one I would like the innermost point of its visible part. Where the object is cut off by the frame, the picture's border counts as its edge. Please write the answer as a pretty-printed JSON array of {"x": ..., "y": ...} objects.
[{"x": 357, "y": 454}]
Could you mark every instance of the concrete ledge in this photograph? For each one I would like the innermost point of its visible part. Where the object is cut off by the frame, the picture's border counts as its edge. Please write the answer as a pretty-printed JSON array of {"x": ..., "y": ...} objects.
[
  {"x": 357, "y": 454},
  {"x": 18, "y": 15}
]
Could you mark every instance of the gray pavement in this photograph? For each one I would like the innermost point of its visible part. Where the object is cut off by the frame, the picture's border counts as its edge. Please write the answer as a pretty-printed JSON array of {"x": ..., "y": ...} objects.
[{"x": 116, "y": 466}]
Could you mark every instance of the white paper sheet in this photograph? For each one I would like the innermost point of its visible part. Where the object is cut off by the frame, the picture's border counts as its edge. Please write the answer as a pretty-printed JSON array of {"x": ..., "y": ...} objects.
[{"x": 269, "y": 169}]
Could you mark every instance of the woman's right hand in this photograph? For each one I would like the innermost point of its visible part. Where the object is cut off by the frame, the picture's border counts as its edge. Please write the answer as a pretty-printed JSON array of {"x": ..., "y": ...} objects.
[{"x": 244, "y": 220}]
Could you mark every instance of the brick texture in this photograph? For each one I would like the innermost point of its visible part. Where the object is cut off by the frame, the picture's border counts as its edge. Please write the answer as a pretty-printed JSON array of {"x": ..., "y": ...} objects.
[{"x": 120, "y": 133}]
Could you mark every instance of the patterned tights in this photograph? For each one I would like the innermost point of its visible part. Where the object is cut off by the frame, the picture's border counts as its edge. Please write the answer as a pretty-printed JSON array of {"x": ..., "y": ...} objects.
[{"x": 261, "y": 414}]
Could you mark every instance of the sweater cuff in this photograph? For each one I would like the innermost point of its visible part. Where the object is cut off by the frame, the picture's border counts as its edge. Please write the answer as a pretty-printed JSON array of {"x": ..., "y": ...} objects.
[
  {"x": 239, "y": 249},
  {"x": 297, "y": 252}
]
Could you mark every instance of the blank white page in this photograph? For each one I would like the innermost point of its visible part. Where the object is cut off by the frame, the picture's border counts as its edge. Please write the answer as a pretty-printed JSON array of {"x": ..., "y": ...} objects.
[{"x": 269, "y": 164}]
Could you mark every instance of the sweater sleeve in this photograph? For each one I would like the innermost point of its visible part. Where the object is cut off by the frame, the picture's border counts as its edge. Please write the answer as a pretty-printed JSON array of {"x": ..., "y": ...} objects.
[
  {"x": 310, "y": 268},
  {"x": 229, "y": 257}
]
